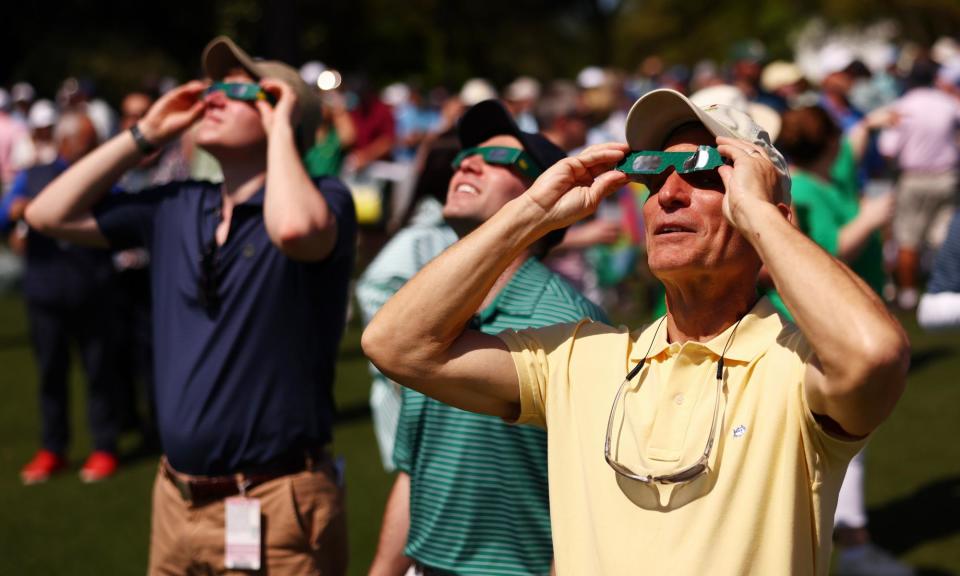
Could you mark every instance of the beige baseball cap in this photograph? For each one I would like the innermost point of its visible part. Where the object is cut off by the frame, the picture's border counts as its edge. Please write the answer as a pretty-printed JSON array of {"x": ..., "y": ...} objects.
[
  {"x": 658, "y": 113},
  {"x": 222, "y": 55}
]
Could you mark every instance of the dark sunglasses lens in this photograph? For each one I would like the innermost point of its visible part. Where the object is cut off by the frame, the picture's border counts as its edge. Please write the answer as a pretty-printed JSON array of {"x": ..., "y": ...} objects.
[{"x": 705, "y": 180}]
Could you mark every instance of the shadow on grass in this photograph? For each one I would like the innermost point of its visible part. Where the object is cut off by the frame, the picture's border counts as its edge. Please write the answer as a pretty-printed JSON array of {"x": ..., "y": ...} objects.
[
  {"x": 930, "y": 513},
  {"x": 920, "y": 358}
]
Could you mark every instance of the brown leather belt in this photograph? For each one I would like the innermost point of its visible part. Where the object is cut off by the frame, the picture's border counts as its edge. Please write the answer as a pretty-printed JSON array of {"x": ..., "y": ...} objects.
[{"x": 204, "y": 489}]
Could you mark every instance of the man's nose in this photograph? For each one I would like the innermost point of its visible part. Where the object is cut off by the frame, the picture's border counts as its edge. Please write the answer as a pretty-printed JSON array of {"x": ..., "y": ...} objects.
[
  {"x": 216, "y": 97},
  {"x": 472, "y": 163},
  {"x": 675, "y": 191}
]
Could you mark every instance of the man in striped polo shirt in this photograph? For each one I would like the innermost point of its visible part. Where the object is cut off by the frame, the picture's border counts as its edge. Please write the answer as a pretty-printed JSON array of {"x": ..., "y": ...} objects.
[{"x": 471, "y": 493}]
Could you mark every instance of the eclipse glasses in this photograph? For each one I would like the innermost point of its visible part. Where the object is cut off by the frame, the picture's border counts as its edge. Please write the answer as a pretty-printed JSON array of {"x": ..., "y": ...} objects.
[{"x": 245, "y": 91}]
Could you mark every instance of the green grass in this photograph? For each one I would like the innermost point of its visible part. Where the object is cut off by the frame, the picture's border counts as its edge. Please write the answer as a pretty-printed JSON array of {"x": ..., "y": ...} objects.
[{"x": 65, "y": 527}]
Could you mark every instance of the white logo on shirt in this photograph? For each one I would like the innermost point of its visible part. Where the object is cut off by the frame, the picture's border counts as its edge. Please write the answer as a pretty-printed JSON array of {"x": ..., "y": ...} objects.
[{"x": 739, "y": 431}]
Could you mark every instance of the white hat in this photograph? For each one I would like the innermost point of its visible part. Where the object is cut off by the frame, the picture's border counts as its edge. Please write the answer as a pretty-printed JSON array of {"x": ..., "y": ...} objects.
[
  {"x": 657, "y": 114},
  {"x": 43, "y": 114},
  {"x": 396, "y": 94},
  {"x": 768, "y": 118},
  {"x": 944, "y": 49},
  {"x": 724, "y": 94},
  {"x": 591, "y": 77},
  {"x": 523, "y": 88},
  {"x": 834, "y": 58},
  {"x": 779, "y": 74},
  {"x": 22, "y": 92},
  {"x": 476, "y": 90}
]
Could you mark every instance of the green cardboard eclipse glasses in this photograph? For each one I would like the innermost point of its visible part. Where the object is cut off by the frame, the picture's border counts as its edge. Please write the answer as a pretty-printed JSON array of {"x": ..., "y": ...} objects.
[
  {"x": 646, "y": 162},
  {"x": 503, "y": 156},
  {"x": 245, "y": 91}
]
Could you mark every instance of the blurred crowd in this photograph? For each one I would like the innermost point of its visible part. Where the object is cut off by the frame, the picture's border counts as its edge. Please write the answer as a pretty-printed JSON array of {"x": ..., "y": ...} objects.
[{"x": 870, "y": 135}]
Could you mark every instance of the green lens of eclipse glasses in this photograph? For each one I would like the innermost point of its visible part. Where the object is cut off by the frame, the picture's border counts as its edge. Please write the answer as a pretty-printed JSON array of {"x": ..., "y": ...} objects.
[
  {"x": 655, "y": 162},
  {"x": 503, "y": 156},
  {"x": 246, "y": 91}
]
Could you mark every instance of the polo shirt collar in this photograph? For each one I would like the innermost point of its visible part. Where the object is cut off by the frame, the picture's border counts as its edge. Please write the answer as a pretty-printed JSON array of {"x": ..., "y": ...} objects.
[
  {"x": 213, "y": 200},
  {"x": 756, "y": 332},
  {"x": 522, "y": 293}
]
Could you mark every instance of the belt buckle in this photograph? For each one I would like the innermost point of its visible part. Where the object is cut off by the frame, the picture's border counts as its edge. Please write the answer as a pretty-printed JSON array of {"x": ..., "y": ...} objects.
[
  {"x": 182, "y": 486},
  {"x": 184, "y": 489}
]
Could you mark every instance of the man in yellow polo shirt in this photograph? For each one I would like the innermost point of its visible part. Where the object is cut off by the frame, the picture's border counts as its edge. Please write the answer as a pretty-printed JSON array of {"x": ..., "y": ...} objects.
[{"x": 712, "y": 441}]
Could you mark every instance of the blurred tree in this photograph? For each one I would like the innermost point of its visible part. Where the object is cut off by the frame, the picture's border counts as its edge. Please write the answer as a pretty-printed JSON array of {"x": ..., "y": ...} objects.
[{"x": 436, "y": 41}]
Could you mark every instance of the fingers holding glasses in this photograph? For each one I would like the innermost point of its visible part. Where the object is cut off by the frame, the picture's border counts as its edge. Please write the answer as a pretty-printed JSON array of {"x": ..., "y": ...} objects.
[{"x": 174, "y": 112}]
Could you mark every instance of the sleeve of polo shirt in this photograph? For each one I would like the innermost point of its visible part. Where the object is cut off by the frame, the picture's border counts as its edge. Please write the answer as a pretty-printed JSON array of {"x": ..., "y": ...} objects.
[
  {"x": 126, "y": 220},
  {"x": 340, "y": 202},
  {"x": 827, "y": 454},
  {"x": 536, "y": 353}
]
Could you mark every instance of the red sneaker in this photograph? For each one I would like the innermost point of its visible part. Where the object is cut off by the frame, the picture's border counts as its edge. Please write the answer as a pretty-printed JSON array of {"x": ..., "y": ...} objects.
[
  {"x": 99, "y": 466},
  {"x": 44, "y": 464}
]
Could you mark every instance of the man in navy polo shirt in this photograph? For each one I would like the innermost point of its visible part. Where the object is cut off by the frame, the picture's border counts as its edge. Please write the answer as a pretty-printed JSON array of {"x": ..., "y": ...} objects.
[{"x": 249, "y": 282}]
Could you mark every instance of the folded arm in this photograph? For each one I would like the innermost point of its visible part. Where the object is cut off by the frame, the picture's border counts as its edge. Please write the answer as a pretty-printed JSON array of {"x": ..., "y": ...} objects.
[
  {"x": 296, "y": 215},
  {"x": 419, "y": 338},
  {"x": 862, "y": 352}
]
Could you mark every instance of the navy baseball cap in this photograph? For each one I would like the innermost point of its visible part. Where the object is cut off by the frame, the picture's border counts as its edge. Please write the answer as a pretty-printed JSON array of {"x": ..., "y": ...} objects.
[{"x": 489, "y": 118}]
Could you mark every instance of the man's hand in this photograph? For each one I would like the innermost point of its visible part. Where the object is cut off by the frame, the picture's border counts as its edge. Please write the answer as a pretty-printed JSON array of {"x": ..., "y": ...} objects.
[
  {"x": 751, "y": 181},
  {"x": 17, "y": 208},
  {"x": 173, "y": 113},
  {"x": 285, "y": 113},
  {"x": 573, "y": 188},
  {"x": 877, "y": 211}
]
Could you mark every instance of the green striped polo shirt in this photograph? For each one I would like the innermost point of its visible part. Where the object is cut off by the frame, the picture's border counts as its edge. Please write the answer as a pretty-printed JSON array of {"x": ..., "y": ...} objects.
[{"x": 478, "y": 487}]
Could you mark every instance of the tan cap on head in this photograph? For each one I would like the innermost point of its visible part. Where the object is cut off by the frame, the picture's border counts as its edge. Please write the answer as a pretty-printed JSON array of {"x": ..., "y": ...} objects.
[
  {"x": 222, "y": 55},
  {"x": 658, "y": 113}
]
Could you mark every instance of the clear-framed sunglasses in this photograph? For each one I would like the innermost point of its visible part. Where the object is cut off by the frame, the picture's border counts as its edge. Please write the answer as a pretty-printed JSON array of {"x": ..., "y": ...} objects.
[{"x": 688, "y": 473}]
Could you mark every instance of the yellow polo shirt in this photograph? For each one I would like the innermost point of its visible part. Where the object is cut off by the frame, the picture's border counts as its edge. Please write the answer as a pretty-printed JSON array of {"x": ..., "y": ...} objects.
[{"x": 766, "y": 504}]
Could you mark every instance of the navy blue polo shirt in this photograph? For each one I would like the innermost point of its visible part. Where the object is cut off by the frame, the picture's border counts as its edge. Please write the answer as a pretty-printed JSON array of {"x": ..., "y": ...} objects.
[{"x": 249, "y": 381}]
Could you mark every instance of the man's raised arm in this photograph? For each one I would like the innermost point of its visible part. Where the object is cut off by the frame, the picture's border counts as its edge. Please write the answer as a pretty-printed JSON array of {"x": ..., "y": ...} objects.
[
  {"x": 419, "y": 339},
  {"x": 862, "y": 353},
  {"x": 65, "y": 208}
]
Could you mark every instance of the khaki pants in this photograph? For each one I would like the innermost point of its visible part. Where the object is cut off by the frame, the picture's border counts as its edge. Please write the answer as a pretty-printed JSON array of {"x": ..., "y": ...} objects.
[
  {"x": 925, "y": 204},
  {"x": 303, "y": 523}
]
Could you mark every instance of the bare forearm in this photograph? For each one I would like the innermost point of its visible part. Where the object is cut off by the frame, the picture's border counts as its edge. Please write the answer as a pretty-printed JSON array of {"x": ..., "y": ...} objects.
[
  {"x": 852, "y": 238},
  {"x": 436, "y": 354},
  {"x": 435, "y": 305},
  {"x": 296, "y": 215},
  {"x": 389, "y": 559},
  {"x": 845, "y": 322},
  {"x": 379, "y": 148},
  {"x": 68, "y": 201},
  {"x": 346, "y": 132}
]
